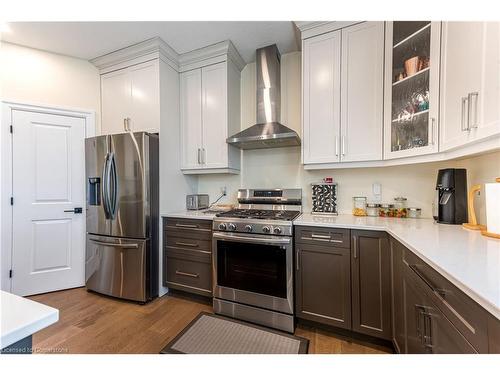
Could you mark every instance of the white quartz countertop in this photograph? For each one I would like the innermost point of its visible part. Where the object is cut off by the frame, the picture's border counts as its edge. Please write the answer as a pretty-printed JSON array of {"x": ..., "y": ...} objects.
[
  {"x": 22, "y": 317},
  {"x": 466, "y": 258},
  {"x": 187, "y": 214}
]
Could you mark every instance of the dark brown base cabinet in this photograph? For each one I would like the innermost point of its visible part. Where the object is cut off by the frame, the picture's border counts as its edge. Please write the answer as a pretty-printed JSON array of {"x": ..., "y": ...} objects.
[
  {"x": 371, "y": 283},
  {"x": 431, "y": 315},
  {"x": 187, "y": 255},
  {"x": 323, "y": 276}
]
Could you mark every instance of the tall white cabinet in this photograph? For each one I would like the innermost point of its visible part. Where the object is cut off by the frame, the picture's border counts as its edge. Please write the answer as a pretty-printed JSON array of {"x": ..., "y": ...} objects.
[
  {"x": 470, "y": 83},
  {"x": 210, "y": 112},
  {"x": 343, "y": 84}
]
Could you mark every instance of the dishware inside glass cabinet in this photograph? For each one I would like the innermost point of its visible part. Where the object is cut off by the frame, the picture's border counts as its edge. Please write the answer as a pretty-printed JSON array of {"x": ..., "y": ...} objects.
[{"x": 410, "y": 85}]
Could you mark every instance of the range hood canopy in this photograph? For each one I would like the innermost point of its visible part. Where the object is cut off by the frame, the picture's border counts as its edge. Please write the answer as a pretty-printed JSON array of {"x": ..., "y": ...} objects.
[{"x": 268, "y": 132}]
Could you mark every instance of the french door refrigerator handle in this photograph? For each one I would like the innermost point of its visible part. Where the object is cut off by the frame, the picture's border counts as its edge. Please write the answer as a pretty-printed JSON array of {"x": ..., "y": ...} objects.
[
  {"x": 114, "y": 184},
  {"x": 105, "y": 187}
]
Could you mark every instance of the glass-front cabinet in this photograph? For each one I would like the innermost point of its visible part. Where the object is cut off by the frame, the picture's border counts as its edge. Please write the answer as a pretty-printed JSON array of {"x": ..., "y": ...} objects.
[{"x": 411, "y": 88}]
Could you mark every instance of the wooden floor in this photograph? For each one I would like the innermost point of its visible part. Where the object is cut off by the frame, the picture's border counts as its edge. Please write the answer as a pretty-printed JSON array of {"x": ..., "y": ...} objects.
[{"x": 91, "y": 323}]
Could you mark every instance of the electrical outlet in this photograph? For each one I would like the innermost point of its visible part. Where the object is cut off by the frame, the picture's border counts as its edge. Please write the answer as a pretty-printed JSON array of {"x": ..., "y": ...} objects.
[{"x": 223, "y": 190}]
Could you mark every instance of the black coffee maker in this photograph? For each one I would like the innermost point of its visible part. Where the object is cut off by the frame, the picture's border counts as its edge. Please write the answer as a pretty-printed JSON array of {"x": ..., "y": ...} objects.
[{"x": 451, "y": 190}]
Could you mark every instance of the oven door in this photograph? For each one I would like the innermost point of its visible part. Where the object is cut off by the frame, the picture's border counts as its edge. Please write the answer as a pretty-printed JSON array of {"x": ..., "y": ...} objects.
[{"x": 254, "y": 270}]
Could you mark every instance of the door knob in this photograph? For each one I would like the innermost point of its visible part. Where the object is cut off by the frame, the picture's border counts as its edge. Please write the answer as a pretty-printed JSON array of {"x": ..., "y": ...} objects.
[{"x": 76, "y": 210}]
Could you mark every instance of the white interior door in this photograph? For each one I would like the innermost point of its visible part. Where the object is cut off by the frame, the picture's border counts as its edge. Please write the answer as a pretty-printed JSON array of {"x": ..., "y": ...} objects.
[
  {"x": 48, "y": 180},
  {"x": 214, "y": 115},
  {"x": 362, "y": 86}
]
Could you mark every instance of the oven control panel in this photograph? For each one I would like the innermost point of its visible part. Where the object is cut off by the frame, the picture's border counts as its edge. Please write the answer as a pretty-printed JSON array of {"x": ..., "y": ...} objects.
[{"x": 277, "y": 228}]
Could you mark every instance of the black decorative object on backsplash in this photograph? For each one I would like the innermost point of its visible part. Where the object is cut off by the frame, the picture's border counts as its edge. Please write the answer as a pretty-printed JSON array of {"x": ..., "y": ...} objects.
[{"x": 324, "y": 198}]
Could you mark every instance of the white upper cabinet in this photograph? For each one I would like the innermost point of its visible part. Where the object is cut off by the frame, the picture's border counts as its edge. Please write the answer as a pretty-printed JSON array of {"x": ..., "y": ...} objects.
[
  {"x": 412, "y": 88},
  {"x": 321, "y": 98},
  {"x": 362, "y": 92},
  {"x": 470, "y": 83},
  {"x": 207, "y": 119},
  {"x": 190, "y": 117},
  {"x": 131, "y": 99},
  {"x": 343, "y": 86},
  {"x": 115, "y": 101}
]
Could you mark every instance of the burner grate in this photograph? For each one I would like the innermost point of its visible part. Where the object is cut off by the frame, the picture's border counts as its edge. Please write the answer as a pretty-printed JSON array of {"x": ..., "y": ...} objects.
[{"x": 260, "y": 214}]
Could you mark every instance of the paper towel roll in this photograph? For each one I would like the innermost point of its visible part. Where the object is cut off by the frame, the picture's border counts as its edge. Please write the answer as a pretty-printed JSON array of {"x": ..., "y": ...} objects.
[{"x": 492, "y": 196}]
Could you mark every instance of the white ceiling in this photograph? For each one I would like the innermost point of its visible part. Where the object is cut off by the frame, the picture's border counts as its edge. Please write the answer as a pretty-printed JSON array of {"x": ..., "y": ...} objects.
[{"x": 87, "y": 40}]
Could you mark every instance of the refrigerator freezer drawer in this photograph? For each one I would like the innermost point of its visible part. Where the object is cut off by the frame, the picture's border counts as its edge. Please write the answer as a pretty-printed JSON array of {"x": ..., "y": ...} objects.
[{"x": 117, "y": 266}]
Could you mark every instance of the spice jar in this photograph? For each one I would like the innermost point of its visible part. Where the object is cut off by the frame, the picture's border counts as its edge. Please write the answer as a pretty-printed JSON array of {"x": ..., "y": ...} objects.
[
  {"x": 414, "y": 212},
  {"x": 359, "y": 206},
  {"x": 387, "y": 210},
  {"x": 400, "y": 207},
  {"x": 372, "y": 209}
]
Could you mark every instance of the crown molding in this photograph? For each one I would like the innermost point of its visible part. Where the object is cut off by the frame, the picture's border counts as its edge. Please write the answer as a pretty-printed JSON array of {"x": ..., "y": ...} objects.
[
  {"x": 156, "y": 48},
  {"x": 148, "y": 49},
  {"x": 309, "y": 29},
  {"x": 214, "y": 53}
]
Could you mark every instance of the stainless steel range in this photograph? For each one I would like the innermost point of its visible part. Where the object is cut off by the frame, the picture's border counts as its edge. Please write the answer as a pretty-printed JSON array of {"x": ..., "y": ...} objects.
[{"x": 253, "y": 257}]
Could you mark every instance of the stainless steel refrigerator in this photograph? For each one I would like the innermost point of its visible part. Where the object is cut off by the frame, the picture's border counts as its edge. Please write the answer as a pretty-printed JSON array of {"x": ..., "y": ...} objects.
[{"x": 122, "y": 215}]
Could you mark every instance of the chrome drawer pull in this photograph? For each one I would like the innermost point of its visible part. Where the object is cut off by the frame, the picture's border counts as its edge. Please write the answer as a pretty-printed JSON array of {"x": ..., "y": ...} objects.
[
  {"x": 186, "y": 225},
  {"x": 187, "y": 244},
  {"x": 193, "y": 275},
  {"x": 337, "y": 241},
  {"x": 320, "y": 236}
]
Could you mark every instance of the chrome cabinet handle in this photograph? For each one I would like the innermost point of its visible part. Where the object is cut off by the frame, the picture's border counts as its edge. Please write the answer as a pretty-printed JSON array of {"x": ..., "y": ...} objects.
[
  {"x": 336, "y": 146},
  {"x": 186, "y": 244},
  {"x": 343, "y": 145},
  {"x": 433, "y": 125},
  {"x": 193, "y": 275},
  {"x": 125, "y": 124},
  {"x": 203, "y": 156},
  {"x": 427, "y": 336},
  {"x": 199, "y": 157},
  {"x": 186, "y": 225},
  {"x": 120, "y": 245},
  {"x": 472, "y": 115},
  {"x": 355, "y": 250},
  {"x": 297, "y": 261},
  {"x": 463, "y": 117},
  {"x": 320, "y": 236}
]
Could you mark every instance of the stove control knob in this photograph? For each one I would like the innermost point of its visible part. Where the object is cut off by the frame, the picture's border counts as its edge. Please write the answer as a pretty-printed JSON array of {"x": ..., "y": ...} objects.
[
  {"x": 222, "y": 226},
  {"x": 277, "y": 230},
  {"x": 231, "y": 226},
  {"x": 248, "y": 228},
  {"x": 266, "y": 229}
]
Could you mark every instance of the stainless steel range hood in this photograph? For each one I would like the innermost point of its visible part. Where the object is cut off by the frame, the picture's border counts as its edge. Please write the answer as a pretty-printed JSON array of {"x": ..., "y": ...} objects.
[{"x": 268, "y": 132}]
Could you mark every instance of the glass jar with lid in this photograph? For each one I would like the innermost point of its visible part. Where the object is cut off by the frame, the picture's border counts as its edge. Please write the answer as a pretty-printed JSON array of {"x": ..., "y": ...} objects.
[
  {"x": 400, "y": 207},
  {"x": 387, "y": 210},
  {"x": 372, "y": 209},
  {"x": 359, "y": 206},
  {"x": 414, "y": 212}
]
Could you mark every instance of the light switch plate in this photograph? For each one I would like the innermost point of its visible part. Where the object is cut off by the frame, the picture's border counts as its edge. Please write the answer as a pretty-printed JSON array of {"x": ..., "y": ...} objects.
[{"x": 377, "y": 191}]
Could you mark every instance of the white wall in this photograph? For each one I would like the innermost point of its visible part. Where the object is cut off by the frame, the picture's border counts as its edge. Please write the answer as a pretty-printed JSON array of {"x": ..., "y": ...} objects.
[
  {"x": 33, "y": 76},
  {"x": 281, "y": 167}
]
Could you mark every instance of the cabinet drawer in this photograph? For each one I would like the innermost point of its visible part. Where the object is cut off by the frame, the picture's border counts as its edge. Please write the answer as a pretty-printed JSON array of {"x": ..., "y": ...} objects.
[
  {"x": 189, "y": 254},
  {"x": 187, "y": 243},
  {"x": 467, "y": 316},
  {"x": 189, "y": 275},
  {"x": 323, "y": 236},
  {"x": 185, "y": 228}
]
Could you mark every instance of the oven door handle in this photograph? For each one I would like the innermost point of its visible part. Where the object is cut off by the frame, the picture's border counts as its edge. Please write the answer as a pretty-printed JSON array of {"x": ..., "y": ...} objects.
[{"x": 271, "y": 241}]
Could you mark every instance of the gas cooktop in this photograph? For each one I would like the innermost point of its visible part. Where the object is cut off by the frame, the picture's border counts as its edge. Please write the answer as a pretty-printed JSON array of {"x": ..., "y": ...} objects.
[{"x": 241, "y": 213}]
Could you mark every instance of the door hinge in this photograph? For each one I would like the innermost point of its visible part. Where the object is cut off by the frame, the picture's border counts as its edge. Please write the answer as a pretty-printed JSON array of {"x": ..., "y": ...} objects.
[
  {"x": 11, "y": 201},
  {"x": 11, "y": 129},
  {"x": 10, "y": 274}
]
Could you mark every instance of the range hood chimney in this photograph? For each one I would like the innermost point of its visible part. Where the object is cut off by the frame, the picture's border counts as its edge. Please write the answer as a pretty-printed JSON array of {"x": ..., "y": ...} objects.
[{"x": 268, "y": 132}]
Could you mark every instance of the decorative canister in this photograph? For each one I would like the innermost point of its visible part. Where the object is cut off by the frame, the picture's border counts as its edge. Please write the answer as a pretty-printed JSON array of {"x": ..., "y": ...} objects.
[
  {"x": 387, "y": 210},
  {"x": 400, "y": 206},
  {"x": 359, "y": 206},
  {"x": 372, "y": 209},
  {"x": 414, "y": 212}
]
